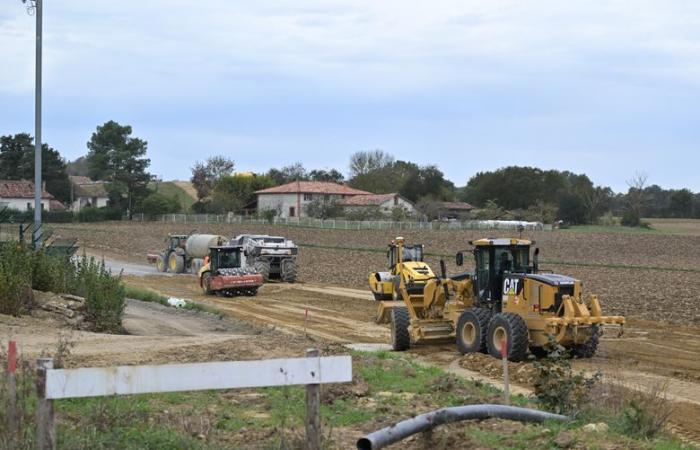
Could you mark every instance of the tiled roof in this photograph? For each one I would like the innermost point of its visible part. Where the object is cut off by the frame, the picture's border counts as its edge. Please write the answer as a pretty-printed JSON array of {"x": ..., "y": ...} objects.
[
  {"x": 313, "y": 187},
  {"x": 55, "y": 205},
  {"x": 19, "y": 189},
  {"x": 367, "y": 200},
  {"x": 85, "y": 187},
  {"x": 457, "y": 205}
]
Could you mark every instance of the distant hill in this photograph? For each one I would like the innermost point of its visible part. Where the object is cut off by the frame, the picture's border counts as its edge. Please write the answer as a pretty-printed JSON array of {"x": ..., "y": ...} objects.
[{"x": 183, "y": 190}]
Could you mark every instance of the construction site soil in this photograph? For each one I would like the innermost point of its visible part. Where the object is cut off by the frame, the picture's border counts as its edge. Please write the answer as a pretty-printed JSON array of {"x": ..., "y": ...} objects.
[
  {"x": 650, "y": 278},
  {"x": 646, "y": 275}
]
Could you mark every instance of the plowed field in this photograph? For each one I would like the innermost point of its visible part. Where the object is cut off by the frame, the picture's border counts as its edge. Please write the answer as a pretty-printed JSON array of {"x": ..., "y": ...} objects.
[{"x": 647, "y": 275}]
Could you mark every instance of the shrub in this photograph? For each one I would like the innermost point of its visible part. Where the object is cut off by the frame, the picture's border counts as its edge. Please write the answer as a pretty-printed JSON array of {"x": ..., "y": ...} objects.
[
  {"x": 630, "y": 219},
  {"x": 51, "y": 272},
  {"x": 16, "y": 295},
  {"x": 557, "y": 387},
  {"x": 104, "y": 294},
  {"x": 21, "y": 269}
]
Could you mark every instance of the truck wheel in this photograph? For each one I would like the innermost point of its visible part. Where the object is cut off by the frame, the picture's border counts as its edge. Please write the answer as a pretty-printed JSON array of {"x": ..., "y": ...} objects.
[
  {"x": 176, "y": 263},
  {"x": 206, "y": 283},
  {"x": 263, "y": 268},
  {"x": 471, "y": 330},
  {"x": 400, "y": 338},
  {"x": 161, "y": 263},
  {"x": 588, "y": 348},
  {"x": 289, "y": 271},
  {"x": 512, "y": 328}
]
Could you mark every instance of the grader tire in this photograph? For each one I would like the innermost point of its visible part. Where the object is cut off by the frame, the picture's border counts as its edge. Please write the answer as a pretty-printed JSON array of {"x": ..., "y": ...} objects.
[
  {"x": 289, "y": 271},
  {"x": 511, "y": 327},
  {"x": 400, "y": 338},
  {"x": 263, "y": 268},
  {"x": 472, "y": 326},
  {"x": 588, "y": 348},
  {"x": 176, "y": 263}
]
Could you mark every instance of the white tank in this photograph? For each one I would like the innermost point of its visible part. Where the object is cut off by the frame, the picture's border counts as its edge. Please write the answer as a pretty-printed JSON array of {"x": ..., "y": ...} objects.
[{"x": 197, "y": 245}]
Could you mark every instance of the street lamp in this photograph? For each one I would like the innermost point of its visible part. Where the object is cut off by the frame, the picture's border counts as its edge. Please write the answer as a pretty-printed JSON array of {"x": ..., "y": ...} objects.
[{"x": 35, "y": 6}]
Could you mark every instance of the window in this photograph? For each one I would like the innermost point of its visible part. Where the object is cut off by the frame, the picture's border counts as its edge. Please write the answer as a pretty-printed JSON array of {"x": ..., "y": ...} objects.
[
  {"x": 292, "y": 211},
  {"x": 308, "y": 197}
]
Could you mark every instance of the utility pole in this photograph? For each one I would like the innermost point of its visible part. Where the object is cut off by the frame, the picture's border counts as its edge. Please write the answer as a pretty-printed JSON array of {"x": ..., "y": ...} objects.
[{"x": 35, "y": 6}]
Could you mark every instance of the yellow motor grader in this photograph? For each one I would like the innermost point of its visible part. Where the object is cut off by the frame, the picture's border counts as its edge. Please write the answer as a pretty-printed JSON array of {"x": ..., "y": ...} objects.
[{"x": 506, "y": 298}]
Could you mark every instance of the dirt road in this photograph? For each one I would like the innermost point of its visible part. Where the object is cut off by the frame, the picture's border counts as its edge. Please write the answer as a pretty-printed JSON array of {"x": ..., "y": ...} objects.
[{"x": 648, "y": 355}]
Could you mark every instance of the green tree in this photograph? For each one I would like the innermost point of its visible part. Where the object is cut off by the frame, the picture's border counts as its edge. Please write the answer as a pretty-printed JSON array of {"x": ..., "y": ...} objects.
[
  {"x": 287, "y": 174},
  {"x": 206, "y": 174},
  {"x": 234, "y": 192},
  {"x": 681, "y": 203},
  {"x": 115, "y": 156},
  {"x": 17, "y": 163},
  {"x": 320, "y": 208},
  {"x": 157, "y": 203},
  {"x": 331, "y": 175}
]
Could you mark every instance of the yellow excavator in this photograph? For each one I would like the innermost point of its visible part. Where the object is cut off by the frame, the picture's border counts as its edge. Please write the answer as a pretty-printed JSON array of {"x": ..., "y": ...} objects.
[{"x": 505, "y": 299}]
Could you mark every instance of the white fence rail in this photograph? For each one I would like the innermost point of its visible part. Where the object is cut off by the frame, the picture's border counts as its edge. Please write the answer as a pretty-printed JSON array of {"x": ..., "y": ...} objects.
[
  {"x": 341, "y": 224},
  {"x": 312, "y": 371},
  {"x": 127, "y": 380}
]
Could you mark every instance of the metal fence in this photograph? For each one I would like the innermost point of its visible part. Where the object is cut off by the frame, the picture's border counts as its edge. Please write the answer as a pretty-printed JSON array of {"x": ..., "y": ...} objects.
[{"x": 342, "y": 224}]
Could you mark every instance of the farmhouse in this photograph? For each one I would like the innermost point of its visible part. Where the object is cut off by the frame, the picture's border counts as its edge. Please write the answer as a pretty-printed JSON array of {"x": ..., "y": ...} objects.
[
  {"x": 85, "y": 192},
  {"x": 289, "y": 200},
  {"x": 382, "y": 203},
  {"x": 454, "y": 210},
  {"x": 19, "y": 195}
]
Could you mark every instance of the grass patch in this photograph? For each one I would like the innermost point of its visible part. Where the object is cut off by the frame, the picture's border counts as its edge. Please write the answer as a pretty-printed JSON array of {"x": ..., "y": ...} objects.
[
  {"x": 170, "y": 189},
  {"x": 145, "y": 295},
  {"x": 150, "y": 295},
  {"x": 387, "y": 388}
]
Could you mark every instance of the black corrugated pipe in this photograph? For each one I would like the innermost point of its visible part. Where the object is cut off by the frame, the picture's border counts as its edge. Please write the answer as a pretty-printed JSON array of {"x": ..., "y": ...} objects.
[{"x": 389, "y": 435}]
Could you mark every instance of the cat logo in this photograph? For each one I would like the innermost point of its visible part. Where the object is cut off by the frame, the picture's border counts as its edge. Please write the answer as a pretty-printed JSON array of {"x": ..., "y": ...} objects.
[{"x": 510, "y": 286}]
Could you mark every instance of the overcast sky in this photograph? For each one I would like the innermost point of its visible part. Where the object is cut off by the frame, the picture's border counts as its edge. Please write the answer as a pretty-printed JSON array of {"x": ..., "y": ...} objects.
[{"x": 601, "y": 87}]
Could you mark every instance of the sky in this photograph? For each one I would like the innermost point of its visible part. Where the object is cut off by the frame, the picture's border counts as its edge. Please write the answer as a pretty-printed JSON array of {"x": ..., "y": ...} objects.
[{"x": 606, "y": 88}]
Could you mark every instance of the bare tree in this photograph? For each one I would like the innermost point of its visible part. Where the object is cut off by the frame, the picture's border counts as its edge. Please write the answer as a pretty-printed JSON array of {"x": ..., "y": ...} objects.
[
  {"x": 362, "y": 163},
  {"x": 635, "y": 195}
]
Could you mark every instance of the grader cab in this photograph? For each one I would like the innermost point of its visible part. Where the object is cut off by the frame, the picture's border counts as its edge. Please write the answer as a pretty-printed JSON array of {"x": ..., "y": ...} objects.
[{"x": 505, "y": 299}]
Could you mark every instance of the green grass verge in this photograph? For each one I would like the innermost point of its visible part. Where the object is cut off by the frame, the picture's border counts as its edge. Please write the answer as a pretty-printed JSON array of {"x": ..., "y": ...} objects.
[
  {"x": 149, "y": 295},
  {"x": 388, "y": 387}
]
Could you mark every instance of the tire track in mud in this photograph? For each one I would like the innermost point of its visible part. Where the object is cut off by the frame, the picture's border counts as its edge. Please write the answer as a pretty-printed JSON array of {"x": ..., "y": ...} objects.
[{"x": 322, "y": 322}]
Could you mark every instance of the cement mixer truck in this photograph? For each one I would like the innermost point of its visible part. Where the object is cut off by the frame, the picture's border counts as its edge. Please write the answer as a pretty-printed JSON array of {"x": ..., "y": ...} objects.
[{"x": 185, "y": 253}]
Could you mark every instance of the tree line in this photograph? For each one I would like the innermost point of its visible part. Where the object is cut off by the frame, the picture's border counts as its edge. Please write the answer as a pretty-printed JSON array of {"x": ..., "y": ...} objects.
[{"x": 119, "y": 158}]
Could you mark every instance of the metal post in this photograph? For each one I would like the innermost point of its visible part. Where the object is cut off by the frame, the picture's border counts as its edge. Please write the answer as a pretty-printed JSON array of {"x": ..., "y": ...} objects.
[
  {"x": 37, "y": 131},
  {"x": 313, "y": 410},
  {"x": 45, "y": 427}
]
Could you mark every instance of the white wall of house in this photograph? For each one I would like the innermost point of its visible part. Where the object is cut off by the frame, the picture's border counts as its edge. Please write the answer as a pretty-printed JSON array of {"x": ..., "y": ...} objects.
[
  {"x": 291, "y": 205},
  {"x": 385, "y": 207},
  {"x": 23, "y": 204},
  {"x": 82, "y": 202}
]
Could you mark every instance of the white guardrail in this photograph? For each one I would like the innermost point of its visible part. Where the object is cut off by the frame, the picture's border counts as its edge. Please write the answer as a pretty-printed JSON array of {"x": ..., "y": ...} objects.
[{"x": 342, "y": 224}]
